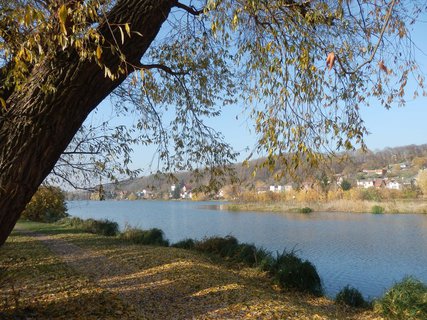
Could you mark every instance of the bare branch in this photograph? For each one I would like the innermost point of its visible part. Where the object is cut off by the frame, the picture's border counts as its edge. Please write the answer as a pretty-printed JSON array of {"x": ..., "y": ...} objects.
[
  {"x": 189, "y": 9},
  {"x": 380, "y": 38},
  {"x": 73, "y": 185},
  {"x": 82, "y": 152},
  {"x": 162, "y": 67}
]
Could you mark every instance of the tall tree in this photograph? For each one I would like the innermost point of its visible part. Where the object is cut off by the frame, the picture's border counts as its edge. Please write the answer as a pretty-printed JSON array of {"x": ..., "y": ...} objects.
[{"x": 60, "y": 58}]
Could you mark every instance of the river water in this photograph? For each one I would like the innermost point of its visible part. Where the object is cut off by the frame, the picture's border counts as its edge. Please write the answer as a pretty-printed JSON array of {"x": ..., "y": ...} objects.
[{"x": 369, "y": 252}]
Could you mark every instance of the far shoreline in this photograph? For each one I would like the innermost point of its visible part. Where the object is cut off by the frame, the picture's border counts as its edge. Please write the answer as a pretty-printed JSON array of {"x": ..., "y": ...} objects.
[{"x": 398, "y": 206}]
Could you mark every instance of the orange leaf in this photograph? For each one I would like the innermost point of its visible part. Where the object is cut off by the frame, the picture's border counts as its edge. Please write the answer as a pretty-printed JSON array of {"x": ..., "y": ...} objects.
[
  {"x": 330, "y": 60},
  {"x": 383, "y": 67}
]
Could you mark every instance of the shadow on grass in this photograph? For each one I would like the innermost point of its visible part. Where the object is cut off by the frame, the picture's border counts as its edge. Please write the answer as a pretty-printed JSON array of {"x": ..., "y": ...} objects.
[
  {"x": 163, "y": 283},
  {"x": 94, "y": 305}
]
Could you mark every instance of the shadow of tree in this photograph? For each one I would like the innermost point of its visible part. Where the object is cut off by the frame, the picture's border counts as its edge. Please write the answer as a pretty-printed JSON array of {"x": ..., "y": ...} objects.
[{"x": 111, "y": 279}]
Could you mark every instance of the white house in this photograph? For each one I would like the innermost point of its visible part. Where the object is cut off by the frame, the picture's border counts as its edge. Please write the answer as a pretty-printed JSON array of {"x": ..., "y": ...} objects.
[
  {"x": 288, "y": 187},
  {"x": 277, "y": 188},
  {"x": 393, "y": 184},
  {"x": 365, "y": 184}
]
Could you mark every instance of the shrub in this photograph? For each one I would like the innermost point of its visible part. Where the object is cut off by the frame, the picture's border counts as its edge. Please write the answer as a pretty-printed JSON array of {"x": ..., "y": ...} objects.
[
  {"x": 74, "y": 222},
  {"x": 232, "y": 207},
  {"x": 291, "y": 272},
  {"x": 184, "y": 244},
  {"x": 305, "y": 210},
  {"x": 377, "y": 209},
  {"x": 245, "y": 253},
  {"x": 405, "y": 300},
  {"x": 351, "y": 297},
  {"x": 102, "y": 227},
  {"x": 47, "y": 205},
  {"x": 345, "y": 185},
  {"x": 218, "y": 245},
  {"x": 371, "y": 194},
  {"x": 229, "y": 247},
  {"x": 146, "y": 237},
  {"x": 287, "y": 269}
]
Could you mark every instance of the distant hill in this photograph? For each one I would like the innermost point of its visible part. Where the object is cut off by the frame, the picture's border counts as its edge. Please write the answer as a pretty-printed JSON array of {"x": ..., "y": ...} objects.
[{"x": 400, "y": 162}]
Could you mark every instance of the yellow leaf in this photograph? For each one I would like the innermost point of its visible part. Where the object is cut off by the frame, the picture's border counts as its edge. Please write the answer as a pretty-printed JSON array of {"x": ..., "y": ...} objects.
[
  {"x": 62, "y": 14},
  {"x": 27, "y": 18},
  {"x": 235, "y": 20},
  {"x": 98, "y": 52},
  {"x": 122, "y": 35},
  {"x": 3, "y": 103},
  {"x": 127, "y": 27}
]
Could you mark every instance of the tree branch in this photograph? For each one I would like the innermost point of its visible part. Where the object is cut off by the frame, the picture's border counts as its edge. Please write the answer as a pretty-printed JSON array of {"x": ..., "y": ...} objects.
[
  {"x": 81, "y": 152},
  {"x": 73, "y": 185},
  {"x": 162, "y": 67},
  {"x": 189, "y": 9},
  {"x": 380, "y": 38}
]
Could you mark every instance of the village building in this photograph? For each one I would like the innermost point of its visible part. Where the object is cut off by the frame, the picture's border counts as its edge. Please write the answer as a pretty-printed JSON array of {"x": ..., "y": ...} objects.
[
  {"x": 379, "y": 172},
  {"x": 371, "y": 183},
  {"x": 393, "y": 185}
]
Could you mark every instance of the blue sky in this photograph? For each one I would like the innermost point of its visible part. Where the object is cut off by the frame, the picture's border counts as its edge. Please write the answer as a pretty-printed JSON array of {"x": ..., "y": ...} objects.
[{"x": 388, "y": 128}]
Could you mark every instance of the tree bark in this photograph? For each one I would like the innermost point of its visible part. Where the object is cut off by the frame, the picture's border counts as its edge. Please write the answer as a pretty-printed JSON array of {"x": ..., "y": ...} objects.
[{"x": 38, "y": 124}]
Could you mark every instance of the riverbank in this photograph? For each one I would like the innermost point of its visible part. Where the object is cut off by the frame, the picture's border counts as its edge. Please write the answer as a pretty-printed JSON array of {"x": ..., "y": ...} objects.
[
  {"x": 57, "y": 272},
  {"x": 389, "y": 206}
]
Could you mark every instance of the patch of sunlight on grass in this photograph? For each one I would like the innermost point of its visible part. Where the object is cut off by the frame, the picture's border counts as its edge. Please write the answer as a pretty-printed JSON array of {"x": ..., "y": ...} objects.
[
  {"x": 231, "y": 286},
  {"x": 142, "y": 286}
]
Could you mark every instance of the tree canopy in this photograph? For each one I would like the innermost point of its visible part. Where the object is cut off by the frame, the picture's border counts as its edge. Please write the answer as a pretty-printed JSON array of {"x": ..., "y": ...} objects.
[{"x": 301, "y": 70}]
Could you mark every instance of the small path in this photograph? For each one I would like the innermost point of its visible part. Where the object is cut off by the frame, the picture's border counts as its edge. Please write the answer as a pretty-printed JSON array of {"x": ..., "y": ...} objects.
[{"x": 97, "y": 267}]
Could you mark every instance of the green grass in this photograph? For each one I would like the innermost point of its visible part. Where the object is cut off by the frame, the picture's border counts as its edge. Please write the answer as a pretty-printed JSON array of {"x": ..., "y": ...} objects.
[
  {"x": 377, "y": 209},
  {"x": 350, "y": 296},
  {"x": 405, "y": 300},
  {"x": 290, "y": 271},
  {"x": 305, "y": 210},
  {"x": 146, "y": 237},
  {"x": 184, "y": 244}
]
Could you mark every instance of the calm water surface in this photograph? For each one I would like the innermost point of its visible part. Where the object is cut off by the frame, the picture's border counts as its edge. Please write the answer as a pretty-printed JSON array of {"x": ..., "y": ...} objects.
[{"x": 369, "y": 252}]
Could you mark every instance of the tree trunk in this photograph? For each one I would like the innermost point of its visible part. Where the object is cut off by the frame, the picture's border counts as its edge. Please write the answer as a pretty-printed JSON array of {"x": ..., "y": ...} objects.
[{"x": 39, "y": 124}]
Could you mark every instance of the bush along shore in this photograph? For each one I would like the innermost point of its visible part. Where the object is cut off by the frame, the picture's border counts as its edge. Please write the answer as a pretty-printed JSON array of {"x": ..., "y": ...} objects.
[
  {"x": 369, "y": 200},
  {"x": 286, "y": 271}
]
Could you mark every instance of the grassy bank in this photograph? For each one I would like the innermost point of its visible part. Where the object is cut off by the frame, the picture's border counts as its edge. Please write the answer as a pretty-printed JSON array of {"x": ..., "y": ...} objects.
[
  {"x": 171, "y": 283},
  {"x": 356, "y": 206}
]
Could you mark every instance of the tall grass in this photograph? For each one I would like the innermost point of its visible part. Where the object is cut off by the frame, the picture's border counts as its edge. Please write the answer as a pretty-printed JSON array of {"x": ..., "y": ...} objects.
[
  {"x": 377, "y": 209},
  {"x": 351, "y": 297},
  {"x": 405, "y": 300},
  {"x": 286, "y": 269},
  {"x": 230, "y": 249},
  {"x": 290, "y": 271},
  {"x": 103, "y": 227},
  {"x": 185, "y": 244},
  {"x": 146, "y": 237}
]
